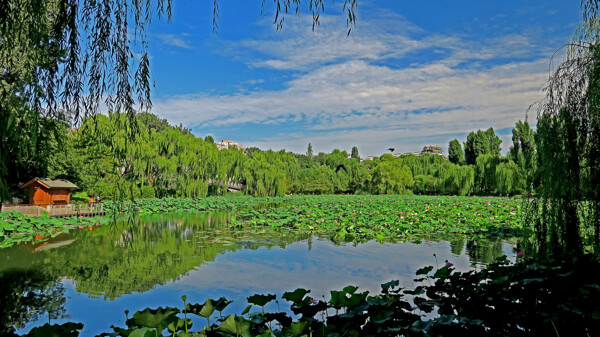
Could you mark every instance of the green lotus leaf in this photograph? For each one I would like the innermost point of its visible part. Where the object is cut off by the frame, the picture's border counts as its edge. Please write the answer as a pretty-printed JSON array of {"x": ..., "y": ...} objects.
[
  {"x": 179, "y": 324},
  {"x": 222, "y": 303},
  {"x": 389, "y": 285},
  {"x": 261, "y": 300},
  {"x": 296, "y": 328},
  {"x": 56, "y": 330},
  {"x": 295, "y": 296},
  {"x": 143, "y": 332},
  {"x": 235, "y": 325},
  {"x": 154, "y": 318},
  {"x": 204, "y": 310},
  {"x": 424, "y": 270}
]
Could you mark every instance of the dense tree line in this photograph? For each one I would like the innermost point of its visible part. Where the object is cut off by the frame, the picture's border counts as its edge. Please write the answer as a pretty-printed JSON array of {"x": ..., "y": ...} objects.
[{"x": 163, "y": 160}]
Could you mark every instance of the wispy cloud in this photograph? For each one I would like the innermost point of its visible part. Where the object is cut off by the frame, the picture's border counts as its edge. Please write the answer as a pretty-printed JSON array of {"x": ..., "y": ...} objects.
[
  {"x": 174, "y": 40},
  {"x": 379, "y": 87}
]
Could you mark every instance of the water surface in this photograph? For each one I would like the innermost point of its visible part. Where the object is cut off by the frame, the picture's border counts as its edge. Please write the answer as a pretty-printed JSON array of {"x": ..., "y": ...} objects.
[{"x": 92, "y": 276}]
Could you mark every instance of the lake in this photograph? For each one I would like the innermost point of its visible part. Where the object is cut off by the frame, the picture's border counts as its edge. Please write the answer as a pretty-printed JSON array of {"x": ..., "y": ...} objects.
[{"x": 93, "y": 274}]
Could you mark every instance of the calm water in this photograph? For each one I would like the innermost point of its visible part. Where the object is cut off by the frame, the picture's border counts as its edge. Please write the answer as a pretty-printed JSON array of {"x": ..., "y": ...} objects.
[{"x": 92, "y": 276}]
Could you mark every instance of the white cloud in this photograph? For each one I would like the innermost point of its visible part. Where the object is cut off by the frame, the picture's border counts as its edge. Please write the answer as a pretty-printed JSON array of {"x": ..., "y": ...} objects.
[
  {"x": 174, "y": 40},
  {"x": 361, "y": 90}
]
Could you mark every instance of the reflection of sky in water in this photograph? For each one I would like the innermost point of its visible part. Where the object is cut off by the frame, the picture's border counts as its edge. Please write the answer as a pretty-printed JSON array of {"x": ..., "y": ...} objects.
[{"x": 318, "y": 265}]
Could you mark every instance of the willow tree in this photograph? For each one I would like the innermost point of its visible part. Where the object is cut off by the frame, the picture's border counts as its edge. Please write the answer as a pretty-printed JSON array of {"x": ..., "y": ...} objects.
[
  {"x": 270, "y": 173},
  {"x": 510, "y": 178},
  {"x": 567, "y": 214},
  {"x": 64, "y": 58},
  {"x": 392, "y": 177}
]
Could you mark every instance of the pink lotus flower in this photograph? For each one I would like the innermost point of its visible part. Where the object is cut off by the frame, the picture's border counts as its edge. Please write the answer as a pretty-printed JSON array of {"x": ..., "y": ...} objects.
[
  {"x": 520, "y": 254},
  {"x": 449, "y": 264}
]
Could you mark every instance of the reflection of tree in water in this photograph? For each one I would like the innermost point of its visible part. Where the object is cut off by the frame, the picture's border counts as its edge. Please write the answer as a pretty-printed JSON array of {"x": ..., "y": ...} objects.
[
  {"x": 135, "y": 256},
  {"x": 484, "y": 251},
  {"x": 457, "y": 245},
  {"x": 27, "y": 295}
]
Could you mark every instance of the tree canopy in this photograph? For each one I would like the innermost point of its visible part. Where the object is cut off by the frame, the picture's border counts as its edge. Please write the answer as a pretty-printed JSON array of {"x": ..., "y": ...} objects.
[
  {"x": 480, "y": 143},
  {"x": 61, "y": 60},
  {"x": 455, "y": 152},
  {"x": 567, "y": 141}
]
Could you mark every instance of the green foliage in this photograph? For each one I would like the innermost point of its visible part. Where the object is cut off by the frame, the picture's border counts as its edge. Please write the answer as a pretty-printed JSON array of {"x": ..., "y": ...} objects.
[
  {"x": 436, "y": 175},
  {"x": 16, "y": 227},
  {"x": 481, "y": 143},
  {"x": 455, "y": 152},
  {"x": 523, "y": 151},
  {"x": 103, "y": 158},
  {"x": 354, "y": 153},
  {"x": 390, "y": 218},
  {"x": 391, "y": 177},
  {"x": 510, "y": 178},
  {"x": 315, "y": 180},
  {"x": 27, "y": 296},
  {"x": 63, "y": 330},
  {"x": 148, "y": 192},
  {"x": 485, "y": 173},
  {"x": 153, "y": 122},
  {"x": 567, "y": 216},
  {"x": 270, "y": 173}
]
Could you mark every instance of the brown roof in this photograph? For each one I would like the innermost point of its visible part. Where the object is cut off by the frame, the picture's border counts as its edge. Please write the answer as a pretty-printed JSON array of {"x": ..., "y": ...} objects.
[{"x": 49, "y": 183}]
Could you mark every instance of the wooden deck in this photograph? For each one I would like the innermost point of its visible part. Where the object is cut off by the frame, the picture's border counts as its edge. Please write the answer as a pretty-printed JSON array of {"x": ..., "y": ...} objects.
[{"x": 57, "y": 211}]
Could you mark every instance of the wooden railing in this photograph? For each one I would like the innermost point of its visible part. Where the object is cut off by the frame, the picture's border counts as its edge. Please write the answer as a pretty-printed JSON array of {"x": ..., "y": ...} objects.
[
  {"x": 230, "y": 184},
  {"x": 64, "y": 210}
]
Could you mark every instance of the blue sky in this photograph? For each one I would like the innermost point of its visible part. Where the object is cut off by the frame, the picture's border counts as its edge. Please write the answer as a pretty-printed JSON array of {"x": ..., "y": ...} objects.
[{"x": 410, "y": 74}]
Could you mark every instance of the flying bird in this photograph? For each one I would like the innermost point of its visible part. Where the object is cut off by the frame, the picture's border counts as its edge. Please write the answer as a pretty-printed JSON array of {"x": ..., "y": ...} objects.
[
  {"x": 341, "y": 166},
  {"x": 391, "y": 149}
]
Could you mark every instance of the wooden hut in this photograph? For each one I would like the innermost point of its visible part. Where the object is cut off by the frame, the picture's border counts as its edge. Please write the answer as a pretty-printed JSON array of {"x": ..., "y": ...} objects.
[{"x": 49, "y": 192}]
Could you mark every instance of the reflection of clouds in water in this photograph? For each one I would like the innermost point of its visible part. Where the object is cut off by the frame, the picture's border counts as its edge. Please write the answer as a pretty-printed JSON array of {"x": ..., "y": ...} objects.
[
  {"x": 323, "y": 268},
  {"x": 241, "y": 273}
]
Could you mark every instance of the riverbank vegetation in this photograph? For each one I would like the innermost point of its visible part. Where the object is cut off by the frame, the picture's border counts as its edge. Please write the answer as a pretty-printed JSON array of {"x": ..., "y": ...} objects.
[
  {"x": 166, "y": 161},
  {"x": 344, "y": 218},
  {"x": 16, "y": 228}
]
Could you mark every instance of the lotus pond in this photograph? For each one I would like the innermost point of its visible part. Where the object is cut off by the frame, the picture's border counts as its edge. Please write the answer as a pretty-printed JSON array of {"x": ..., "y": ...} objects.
[{"x": 93, "y": 274}]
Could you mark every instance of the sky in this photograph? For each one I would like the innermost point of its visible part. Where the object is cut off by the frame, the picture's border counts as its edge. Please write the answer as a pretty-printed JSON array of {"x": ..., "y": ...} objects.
[{"x": 410, "y": 74}]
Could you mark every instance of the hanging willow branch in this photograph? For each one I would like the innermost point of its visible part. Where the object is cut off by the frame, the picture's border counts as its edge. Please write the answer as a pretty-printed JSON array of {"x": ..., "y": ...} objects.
[
  {"x": 76, "y": 54},
  {"x": 567, "y": 216},
  {"x": 62, "y": 60}
]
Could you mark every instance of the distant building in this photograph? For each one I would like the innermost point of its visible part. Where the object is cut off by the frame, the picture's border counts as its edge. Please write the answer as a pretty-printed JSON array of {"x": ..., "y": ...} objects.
[
  {"x": 432, "y": 149},
  {"x": 226, "y": 144},
  {"x": 429, "y": 149}
]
